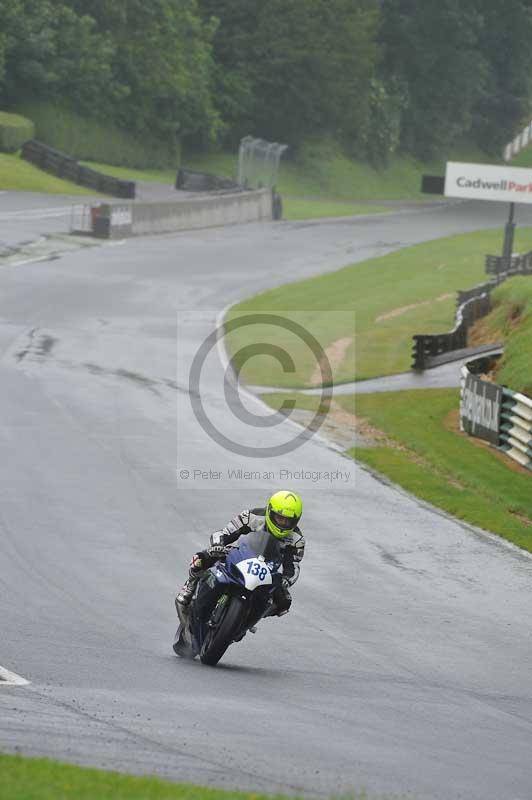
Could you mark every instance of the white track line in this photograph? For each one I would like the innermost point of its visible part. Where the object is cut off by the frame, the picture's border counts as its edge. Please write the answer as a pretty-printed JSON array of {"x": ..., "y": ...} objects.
[
  {"x": 36, "y": 213},
  {"x": 8, "y": 678},
  {"x": 225, "y": 360},
  {"x": 28, "y": 261}
]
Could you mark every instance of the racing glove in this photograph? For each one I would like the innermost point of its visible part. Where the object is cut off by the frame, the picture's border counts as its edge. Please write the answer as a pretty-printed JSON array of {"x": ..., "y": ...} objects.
[{"x": 218, "y": 538}]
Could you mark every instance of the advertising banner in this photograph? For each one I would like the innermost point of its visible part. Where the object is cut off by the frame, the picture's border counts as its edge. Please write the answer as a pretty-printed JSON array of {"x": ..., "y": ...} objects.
[
  {"x": 487, "y": 182},
  {"x": 480, "y": 409}
]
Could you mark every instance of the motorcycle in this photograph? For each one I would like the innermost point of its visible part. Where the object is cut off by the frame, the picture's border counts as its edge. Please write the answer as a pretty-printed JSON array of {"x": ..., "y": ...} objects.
[{"x": 230, "y": 598}]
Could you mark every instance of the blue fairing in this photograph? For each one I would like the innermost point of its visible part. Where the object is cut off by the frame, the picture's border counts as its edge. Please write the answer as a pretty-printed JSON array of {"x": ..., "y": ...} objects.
[
  {"x": 224, "y": 578},
  {"x": 248, "y": 546}
]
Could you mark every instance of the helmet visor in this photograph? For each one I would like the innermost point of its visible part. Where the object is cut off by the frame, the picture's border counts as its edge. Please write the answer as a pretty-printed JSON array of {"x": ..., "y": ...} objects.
[{"x": 282, "y": 522}]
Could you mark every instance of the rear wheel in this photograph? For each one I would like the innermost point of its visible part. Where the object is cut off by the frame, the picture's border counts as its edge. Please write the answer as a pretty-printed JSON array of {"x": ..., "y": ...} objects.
[{"x": 220, "y": 639}]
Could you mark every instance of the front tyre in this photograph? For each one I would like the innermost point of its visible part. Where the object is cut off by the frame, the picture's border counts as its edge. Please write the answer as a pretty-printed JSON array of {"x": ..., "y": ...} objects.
[{"x": 217, "y": 643}]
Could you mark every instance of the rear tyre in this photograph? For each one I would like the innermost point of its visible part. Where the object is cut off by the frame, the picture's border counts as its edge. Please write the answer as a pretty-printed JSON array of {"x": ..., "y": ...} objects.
[{"x": 221, "y": 638}]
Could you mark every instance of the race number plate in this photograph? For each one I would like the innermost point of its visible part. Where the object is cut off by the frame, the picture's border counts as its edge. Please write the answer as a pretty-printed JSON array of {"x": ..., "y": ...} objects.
[{"x": 255, "y": 573}]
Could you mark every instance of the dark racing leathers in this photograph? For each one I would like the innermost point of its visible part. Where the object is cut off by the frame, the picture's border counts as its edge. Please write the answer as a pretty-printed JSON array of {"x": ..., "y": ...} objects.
[{"x": 292, "y": 548}]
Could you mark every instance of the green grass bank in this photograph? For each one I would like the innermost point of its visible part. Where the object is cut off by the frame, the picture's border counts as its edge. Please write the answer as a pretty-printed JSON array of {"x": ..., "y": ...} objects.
[
  {"x": 321, "y": 170},
  {"x": 510, "y": 321},
  {"x": 367, "y": 312},
  {"x": 41, "y": 779},
  {"x": 87, "y": 138},
  {"x": 294, "y": 208},
  {"x": 418, "y": 445},
  {"x": 21, "y": 176}
]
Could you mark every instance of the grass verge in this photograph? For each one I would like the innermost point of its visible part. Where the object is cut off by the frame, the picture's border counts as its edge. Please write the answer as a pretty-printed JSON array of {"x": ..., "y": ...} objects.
[
  {"x": 321, "y": 170},
  {"x": 40, "y": 779},
  {"x": 19, "y": 175},
  {"x": 384, "y": 301},
  {"x": 434, "y": 461},
  {"x": 511, "y": 322},
  {"x": 129, "y": 174},
  {"x": 298, "y": 208},
  {"x": 84, "y": 137},
  {"x": 294, "y": 208}
]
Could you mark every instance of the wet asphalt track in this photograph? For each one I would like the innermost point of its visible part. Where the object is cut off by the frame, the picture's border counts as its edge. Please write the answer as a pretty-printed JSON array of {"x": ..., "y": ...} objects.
[{"x": 405, "y": 664}]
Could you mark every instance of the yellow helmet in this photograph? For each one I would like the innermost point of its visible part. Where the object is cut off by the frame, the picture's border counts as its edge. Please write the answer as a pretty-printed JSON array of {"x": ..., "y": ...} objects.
[{"x": 283, "y": 512}]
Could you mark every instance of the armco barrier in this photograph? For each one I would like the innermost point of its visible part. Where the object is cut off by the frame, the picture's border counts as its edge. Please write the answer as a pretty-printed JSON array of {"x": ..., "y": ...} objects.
[
  {"x": 515, "y": 431},
  {"x": 496, "y": 413},
  {"x": 130, "y": 219},
  {"x": 429, "y": 347},
  {"x": 67, "y": 167},
  {"x": 472, "y": 304}
]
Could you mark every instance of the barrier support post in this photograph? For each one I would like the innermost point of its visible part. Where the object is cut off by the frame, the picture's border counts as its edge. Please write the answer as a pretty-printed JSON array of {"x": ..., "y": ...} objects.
[{"x": 508, "y": 246}]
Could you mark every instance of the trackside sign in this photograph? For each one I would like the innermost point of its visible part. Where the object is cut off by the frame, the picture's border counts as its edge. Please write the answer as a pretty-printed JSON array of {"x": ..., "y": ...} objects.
[
  {"x": 486, "y": 182},
  {"x": 480, "y": 409}
]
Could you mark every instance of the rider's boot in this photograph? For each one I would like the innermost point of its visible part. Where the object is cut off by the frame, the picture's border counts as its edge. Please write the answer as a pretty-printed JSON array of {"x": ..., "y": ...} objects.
[{"x": 195, "y": 571}]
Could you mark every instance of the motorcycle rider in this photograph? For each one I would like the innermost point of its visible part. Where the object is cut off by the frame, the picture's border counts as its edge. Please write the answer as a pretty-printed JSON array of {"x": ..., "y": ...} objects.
[{"x": 280, "y": 517}]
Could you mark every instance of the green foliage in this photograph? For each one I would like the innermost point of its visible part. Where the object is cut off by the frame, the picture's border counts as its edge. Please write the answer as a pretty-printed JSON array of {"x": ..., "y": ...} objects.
[
  {"x": 144, "y": 67},
  {"x": 461, "y": 69},
  {"x": 295, "y": 68},
  {"x": 162, "y": 54},
  {"x": 379, "y": 76},
  {"x": 14, "y": 131},
  {"x": 90, "y": 139},
  {"x": 505, "y": 101},
  {"x": 383, "y": 131},
  {"x": 49, "y": 49},
  {"x": 431, "y": 48}
]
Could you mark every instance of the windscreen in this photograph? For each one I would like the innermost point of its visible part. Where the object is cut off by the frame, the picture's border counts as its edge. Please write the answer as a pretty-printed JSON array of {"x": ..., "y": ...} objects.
[{"x": 259, "y": 543}]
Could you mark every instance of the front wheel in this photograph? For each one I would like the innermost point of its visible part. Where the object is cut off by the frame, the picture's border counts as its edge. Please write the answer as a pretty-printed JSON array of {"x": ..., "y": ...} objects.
[{"x": 220, "y": 639}]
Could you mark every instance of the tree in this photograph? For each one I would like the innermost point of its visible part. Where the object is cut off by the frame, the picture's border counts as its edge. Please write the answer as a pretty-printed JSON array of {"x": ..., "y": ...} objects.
[
  {"x": 47, "y": 49},
  {"x": 505, "y": 103},
  {"x": 431, "y": 50},
  {"x": 163, "y": 59},
  {"x": 289, "y": 69}
]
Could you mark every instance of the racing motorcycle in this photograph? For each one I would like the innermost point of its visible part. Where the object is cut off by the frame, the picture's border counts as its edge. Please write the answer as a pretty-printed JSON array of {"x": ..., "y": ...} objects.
[{"x": 230, "y": 598}]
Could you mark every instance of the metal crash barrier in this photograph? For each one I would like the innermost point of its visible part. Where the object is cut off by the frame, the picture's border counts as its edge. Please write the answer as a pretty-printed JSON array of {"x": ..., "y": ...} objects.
[{"x": 496, "y": 414}]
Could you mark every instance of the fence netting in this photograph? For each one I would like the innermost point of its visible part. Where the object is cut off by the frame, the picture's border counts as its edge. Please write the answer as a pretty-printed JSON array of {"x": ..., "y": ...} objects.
[{"x": 258, "y": 163}]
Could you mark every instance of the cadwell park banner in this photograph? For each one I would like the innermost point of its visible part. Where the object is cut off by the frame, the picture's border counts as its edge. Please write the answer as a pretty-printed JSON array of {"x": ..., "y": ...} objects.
[
  {"x": 487, "y": 182},
  {"x": 480, "y": 409}
]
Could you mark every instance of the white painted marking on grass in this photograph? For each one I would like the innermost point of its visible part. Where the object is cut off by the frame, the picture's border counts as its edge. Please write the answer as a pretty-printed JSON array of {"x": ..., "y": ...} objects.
[{"x": 8, "y": 678}]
